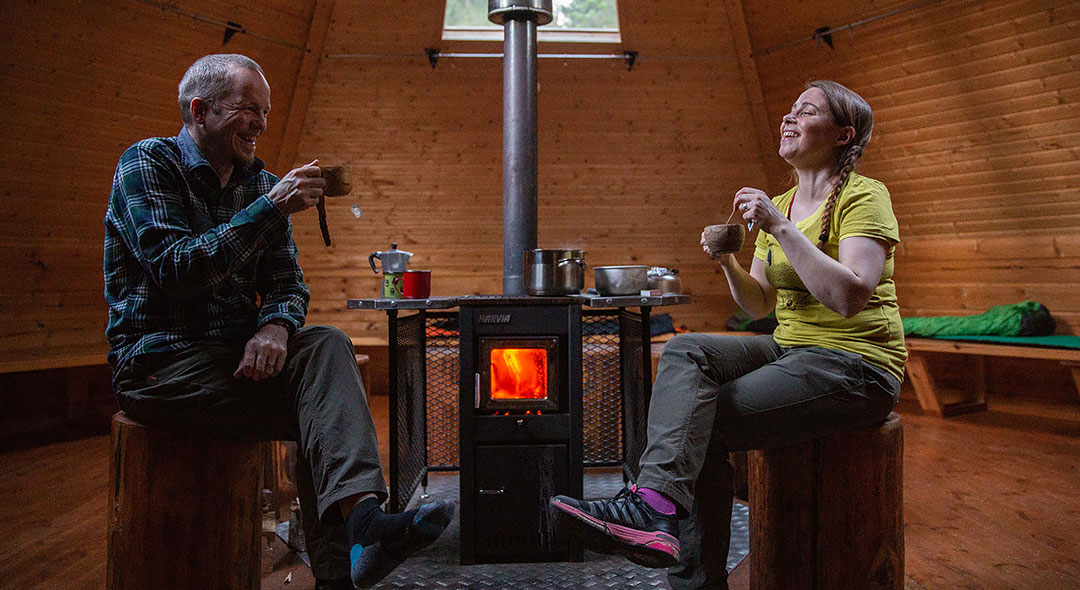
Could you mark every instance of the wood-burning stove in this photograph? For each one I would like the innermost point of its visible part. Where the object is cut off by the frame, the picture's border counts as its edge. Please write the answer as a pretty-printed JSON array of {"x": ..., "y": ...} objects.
[
  {"x": 514, "y": 452},
  {"x": 520, "y": 358},
  {"x": 520, "y": 426}
]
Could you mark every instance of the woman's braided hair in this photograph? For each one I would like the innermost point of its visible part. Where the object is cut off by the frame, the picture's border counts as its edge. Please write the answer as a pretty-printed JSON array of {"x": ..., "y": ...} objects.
[{"x": 848, "y": 110}]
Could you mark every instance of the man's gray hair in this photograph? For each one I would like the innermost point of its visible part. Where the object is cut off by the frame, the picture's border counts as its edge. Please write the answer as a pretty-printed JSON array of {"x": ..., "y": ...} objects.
[{"x": 210, "y": 78}]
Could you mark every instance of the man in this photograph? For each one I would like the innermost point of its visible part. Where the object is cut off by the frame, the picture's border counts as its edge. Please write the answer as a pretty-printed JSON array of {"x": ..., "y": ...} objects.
[{"x": 206, "y": 320}]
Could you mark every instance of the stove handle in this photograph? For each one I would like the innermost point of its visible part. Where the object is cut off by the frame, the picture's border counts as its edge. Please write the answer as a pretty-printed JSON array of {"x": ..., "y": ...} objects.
[
  {"x": 476, "y": 391},
  {"x": 486, "y": 492}
]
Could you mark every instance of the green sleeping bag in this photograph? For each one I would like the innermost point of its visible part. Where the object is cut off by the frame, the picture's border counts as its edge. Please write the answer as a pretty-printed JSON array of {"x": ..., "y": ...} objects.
[{"x": 1029, "y": 318}]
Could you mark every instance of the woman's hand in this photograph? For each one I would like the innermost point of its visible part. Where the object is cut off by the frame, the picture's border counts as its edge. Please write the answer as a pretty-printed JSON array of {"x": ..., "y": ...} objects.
[
  {"x": 721, "y": 257},
  {"x": 757, "y": 208}
]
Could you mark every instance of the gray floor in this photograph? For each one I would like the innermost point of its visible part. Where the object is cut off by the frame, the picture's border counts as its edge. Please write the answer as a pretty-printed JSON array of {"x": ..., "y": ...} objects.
[{"x": 437, "y": 567}]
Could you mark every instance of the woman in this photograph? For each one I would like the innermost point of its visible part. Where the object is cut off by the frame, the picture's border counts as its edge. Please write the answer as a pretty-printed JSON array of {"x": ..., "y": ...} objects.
[{"x": 824, "y": 261}]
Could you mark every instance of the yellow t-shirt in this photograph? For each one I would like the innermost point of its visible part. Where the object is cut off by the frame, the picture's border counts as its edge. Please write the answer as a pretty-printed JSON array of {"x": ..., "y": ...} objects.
[{"x": 876, "y": 333}]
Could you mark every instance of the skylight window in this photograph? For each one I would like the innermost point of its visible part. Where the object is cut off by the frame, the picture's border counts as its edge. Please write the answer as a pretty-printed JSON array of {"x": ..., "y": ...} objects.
[{"x": 575, "y": 21}]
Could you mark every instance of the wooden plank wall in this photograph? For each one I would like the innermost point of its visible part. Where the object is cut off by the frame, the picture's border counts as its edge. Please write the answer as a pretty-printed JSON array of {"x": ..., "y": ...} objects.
[
  {"x": 632, "y": 163},
  {"x": 977, "y": 136},
  {"x": 82, "y": 81}
]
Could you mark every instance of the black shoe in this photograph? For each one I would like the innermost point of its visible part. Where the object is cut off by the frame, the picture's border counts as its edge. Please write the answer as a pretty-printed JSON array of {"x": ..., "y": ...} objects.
[
  {"x": 373, "y": 563},
  {"x": 624, "y": 525}
]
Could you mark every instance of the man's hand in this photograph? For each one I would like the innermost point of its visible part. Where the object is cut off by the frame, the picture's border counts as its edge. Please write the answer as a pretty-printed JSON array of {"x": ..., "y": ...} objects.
[
  {"x": 264, "y": 354},
  {"x": 300, "y": 189}
]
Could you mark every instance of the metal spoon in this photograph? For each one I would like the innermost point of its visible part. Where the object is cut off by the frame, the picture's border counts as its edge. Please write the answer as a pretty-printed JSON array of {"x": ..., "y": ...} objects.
[{"x": 749, "y": 226}]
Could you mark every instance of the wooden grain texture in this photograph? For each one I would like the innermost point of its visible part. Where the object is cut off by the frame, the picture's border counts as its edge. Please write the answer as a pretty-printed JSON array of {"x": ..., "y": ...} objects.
[
  {"x": 183, "y": 511},
  {"x": 922, "y": 381},
  {"x": 658, "y": 152},
  {"x": 828, "y": 513},
  {"x": 83, "y": 81},
  {"x": 632, "y": 164},
  {"x": 752, "y": 82},
  {"x": 976, "y": 135},
  {"x": 983, "y": 368},
  {"x": 957, "y": 274},
  {"x": 989, "y": 502},
  {"x": 309, "y": 65},
  {"x": 782, "y": 494},
  {"x": 860, "y": 536}
]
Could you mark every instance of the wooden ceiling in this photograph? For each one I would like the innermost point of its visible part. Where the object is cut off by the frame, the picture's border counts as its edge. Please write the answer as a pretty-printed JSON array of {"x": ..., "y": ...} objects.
[{"x": 977, "y": 136}]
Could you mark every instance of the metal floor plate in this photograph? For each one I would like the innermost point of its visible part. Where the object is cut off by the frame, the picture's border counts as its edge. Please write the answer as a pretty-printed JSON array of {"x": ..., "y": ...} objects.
[{"x": 437, "y": 566}]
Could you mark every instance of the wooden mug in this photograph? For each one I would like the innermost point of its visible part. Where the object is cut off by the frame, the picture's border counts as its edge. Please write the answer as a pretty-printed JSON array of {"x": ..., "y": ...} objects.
[
  {"x": 725, "y": 238},
  {"x": 338, "y": 180}
]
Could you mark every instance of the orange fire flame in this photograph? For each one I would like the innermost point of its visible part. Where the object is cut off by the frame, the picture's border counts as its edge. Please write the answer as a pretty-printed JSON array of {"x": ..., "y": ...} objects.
[{"x": 518, "y": 373}]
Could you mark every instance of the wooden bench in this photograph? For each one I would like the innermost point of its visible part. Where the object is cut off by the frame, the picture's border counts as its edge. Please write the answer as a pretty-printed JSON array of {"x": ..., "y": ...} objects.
[
  {"x": 828, "y": 513},
  {"x": 940, "y": 401},
  {"x": 63, "y": 396},
  {"x": 184, "y": 510}
]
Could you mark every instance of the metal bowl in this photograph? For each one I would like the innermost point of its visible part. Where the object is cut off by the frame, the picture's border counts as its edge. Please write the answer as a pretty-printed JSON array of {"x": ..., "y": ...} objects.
[{"x": 621, "y": 280}]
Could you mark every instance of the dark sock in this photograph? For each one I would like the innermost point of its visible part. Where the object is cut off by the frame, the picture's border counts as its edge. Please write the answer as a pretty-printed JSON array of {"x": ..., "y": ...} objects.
[
  {"x": 335, "y": 584},
  {"x": 367, "y": 523}
]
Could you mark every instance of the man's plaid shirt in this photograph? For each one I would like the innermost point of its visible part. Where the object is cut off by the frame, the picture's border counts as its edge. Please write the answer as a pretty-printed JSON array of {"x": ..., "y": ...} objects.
[{"x": 188, "y": 261}]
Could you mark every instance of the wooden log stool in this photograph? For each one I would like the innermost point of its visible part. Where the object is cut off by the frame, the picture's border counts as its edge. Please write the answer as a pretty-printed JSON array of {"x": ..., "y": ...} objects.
[
  {"x": 826, "y": 514},
  {"x": 184, "y": 510}
]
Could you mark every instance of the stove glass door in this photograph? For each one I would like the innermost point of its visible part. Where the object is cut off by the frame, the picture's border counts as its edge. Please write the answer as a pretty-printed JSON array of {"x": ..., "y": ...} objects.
[{"x": 518, "y": 374}]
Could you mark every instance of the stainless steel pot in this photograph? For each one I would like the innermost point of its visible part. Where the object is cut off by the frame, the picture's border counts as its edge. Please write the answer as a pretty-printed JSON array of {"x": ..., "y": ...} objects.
[
  {"x": 621, "y": 280},
  {"x": 552, "y": 273}
]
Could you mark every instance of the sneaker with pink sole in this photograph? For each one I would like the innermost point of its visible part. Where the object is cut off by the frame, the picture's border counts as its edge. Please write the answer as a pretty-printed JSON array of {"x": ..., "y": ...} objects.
[{"x": 624, "y": 525}]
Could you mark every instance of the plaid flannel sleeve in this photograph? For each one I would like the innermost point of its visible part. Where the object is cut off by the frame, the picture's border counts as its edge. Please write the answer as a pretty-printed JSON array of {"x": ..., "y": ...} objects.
[
  {"x": 280, "y": 283},
  {"x": 149, "y": 191}
]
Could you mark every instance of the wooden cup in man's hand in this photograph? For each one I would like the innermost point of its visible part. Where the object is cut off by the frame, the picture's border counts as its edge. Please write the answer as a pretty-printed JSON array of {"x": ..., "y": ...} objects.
[
  {"x": 725, "y": 238},
  {"x": 338, "y": 180}
]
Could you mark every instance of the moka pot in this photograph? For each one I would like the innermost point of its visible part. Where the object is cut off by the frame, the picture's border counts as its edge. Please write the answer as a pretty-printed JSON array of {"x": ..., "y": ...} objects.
[{"x": 394, "y": 262}]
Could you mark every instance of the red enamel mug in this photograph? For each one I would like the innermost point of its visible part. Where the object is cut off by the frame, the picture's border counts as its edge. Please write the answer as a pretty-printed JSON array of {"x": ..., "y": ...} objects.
[{"x": 416, "y": 284}]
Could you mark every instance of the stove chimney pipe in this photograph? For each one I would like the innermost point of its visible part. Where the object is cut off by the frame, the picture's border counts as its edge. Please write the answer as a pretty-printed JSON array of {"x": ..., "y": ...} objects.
[{"x": 519, "y": 19}]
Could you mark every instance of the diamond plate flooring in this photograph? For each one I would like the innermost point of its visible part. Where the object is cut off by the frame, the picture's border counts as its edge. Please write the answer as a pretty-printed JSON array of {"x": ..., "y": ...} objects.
[{"x": 437, "y": 566}]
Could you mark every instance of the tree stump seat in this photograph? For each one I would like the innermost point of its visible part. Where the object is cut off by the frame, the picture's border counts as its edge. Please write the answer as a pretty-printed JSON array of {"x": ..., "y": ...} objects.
[
  {"x": 827, "y": 514},
  {"x": 184, "y": 510}
]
